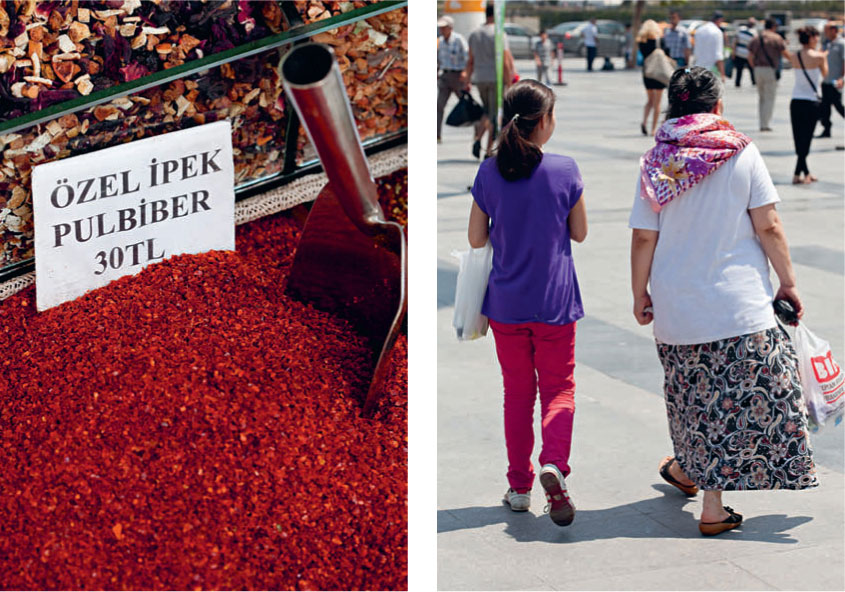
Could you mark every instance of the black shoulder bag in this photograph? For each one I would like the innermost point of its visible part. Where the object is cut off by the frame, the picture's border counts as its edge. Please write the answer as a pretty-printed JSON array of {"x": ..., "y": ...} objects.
[{"x": 768, "y": 59}]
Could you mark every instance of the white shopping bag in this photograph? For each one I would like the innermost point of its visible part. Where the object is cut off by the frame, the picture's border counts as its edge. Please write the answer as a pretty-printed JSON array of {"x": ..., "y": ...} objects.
[
  {"x": 473, "y": 273},
  {"x": 822, "y": 380}
]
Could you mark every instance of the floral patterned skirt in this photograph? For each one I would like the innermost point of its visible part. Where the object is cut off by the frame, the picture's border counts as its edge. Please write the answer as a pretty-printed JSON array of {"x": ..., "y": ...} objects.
[{"x": 736, "y": 414}]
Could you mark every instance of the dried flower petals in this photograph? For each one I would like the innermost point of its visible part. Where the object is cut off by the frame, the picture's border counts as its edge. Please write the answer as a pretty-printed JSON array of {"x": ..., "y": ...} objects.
[
  {"x": 373, "y": 58},
  {"x": 104, "y": 41},
  {"x": 258, "y": 130},
  {"x": 191, "y": 427},
  {"x": 78, "y": 32},
  {"x": 4, "y": 22},
  {"x": 84, "y": 85}
]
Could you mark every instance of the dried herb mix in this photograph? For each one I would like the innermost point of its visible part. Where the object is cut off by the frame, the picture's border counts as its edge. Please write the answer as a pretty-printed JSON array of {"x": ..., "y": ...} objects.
[
  {"x": 248, "y": 92},
  {"x": 56, "y": 50},
  {"x": 191, "y": 428}
]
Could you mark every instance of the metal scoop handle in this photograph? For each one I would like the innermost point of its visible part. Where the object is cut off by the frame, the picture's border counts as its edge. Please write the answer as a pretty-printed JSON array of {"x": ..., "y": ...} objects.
[{"x": 312, "y": 78}]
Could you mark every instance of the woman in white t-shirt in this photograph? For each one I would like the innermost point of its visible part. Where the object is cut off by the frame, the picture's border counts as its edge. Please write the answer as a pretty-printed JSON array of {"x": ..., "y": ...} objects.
[
  {"x": 810, "y": 67},
  {"x": 705, "y": 229}
]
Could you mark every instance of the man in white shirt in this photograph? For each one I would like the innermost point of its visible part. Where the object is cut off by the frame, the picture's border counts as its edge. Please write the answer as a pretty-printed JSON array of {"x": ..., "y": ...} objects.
[
  {"x": 589, "y": 34},
  {"x": 709, "y": 46},
  {"x": 452, "y": 57}
]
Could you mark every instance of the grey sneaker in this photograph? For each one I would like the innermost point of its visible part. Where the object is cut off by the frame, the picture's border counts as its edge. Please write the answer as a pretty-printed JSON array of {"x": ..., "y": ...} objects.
[
  {"x": 560, "y": 507},
  {"x": 519, "y": 502}
]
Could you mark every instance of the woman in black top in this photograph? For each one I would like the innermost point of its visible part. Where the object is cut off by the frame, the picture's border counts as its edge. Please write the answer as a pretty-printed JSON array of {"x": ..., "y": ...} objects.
[{"x": 647, "y": 41}]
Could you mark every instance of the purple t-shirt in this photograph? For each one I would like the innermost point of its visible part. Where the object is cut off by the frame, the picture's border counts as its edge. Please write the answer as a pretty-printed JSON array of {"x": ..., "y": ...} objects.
[{"x": 533, "y": 276}]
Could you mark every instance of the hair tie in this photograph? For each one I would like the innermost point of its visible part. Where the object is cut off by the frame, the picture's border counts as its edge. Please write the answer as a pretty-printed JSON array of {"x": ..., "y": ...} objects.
[
  {"x": 684, "y": 95},
  {"x": 515, "y": 117}
]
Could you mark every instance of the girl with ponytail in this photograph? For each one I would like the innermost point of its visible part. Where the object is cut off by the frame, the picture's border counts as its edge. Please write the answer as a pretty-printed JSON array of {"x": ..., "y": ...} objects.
[{"x": 529, "y": 204}]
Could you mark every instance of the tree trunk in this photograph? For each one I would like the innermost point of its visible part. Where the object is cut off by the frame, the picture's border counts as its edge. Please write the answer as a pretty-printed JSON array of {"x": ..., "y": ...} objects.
[{"x": 635, "y": 28}]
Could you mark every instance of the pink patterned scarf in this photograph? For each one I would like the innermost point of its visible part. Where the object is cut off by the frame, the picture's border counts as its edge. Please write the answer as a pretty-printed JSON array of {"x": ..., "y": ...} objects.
[{"x": 688, "y": 149}]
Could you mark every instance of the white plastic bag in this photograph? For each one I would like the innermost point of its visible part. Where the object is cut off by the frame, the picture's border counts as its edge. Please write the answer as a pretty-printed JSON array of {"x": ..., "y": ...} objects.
[
  {"x": 822, "y": 380},
  {"x": 473, "y": 273}
]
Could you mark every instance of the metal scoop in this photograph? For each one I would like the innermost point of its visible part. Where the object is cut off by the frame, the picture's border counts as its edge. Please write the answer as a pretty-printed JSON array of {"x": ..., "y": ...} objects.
[{"x": 349, "y": 259}]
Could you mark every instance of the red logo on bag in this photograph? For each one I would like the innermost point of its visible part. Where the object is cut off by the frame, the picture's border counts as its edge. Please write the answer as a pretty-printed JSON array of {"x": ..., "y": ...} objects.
[{"x": 825, "y": 368}]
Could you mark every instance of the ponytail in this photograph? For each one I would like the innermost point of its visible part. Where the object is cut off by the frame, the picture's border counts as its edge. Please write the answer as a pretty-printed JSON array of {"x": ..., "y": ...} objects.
[{"x": 524, "y": 105}]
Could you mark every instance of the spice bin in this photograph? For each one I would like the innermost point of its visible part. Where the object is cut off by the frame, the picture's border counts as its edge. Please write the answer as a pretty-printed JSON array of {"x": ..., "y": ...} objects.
[{"x": 192, "y": 426}]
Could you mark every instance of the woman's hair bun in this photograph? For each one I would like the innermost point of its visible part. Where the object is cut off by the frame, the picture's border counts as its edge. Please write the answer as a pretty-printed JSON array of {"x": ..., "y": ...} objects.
[{"x": 692, "y": 90}]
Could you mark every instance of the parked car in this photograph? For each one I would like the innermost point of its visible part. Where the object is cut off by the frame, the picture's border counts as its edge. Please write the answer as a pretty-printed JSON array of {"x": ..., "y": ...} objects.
[
  {"x": 521, "y": 40},
  {"x": 568, "y": 33},
  {"x": 610, "y": 41}
]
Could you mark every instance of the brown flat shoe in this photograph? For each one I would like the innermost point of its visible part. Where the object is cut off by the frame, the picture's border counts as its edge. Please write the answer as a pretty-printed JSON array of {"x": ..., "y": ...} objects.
[
  {"x": 714, "y": 528},
  {"x": 689, "y": 490}
]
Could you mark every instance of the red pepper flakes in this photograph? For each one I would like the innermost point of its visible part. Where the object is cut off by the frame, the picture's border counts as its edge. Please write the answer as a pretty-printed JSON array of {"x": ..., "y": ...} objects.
[{"x": 191, "y": 427}]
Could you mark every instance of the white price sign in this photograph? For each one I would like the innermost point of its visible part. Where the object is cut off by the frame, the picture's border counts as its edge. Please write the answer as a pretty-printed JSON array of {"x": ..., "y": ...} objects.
[{"x": 110, "y": 213}]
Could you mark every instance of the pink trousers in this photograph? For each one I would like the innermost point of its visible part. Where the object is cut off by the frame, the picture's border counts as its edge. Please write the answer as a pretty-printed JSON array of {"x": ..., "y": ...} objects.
[{"x": 536, "y": 355}]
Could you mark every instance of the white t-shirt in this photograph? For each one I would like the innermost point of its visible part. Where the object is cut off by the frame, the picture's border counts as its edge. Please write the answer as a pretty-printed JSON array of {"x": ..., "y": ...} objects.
[
  {"x": 709, "y": 45},
  {"x": 589, "y": 32},
  {"x": 710, "y": 277}
]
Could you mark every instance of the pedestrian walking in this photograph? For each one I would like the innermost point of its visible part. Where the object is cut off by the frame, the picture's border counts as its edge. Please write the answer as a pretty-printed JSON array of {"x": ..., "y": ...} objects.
[
  {"x": 832, "y": 83},
  {"x": 810, "y": 66},
  {"x": 629, "y": 46},
  {"x": 705, "y": 228},
  {"x": 709, "y": 48},
  {"x": 676, "y": 40},
  {"x": 451, "y": 61},
  {"x": 543, "y": 57},
  {"x": 647, "y": 40},
  {"x": 530, "y": 204},
  {"x": 744, "y": 35},
  {"x": 481, "y": 71},
  {"x": 764, "y": 53},
  {"x": 590, "y": 33}
]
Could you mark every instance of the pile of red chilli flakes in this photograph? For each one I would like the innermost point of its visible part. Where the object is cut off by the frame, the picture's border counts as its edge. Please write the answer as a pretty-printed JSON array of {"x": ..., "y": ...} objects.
[{"x": 192, "y": 427}]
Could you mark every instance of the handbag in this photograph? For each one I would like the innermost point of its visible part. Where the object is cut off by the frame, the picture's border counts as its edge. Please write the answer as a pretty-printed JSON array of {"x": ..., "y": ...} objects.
[
  {"x": 473, "y": 273},
  {"x": 660, "y": 67},
  {"x": 466, "y": 112}
]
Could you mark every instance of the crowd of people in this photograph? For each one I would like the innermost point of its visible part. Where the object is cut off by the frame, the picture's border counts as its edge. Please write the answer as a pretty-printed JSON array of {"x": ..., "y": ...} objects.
[
  {"x": 705, "y": 230},
  {"x": 817, "y": 90},
  {"x": 461, "y": 64}
]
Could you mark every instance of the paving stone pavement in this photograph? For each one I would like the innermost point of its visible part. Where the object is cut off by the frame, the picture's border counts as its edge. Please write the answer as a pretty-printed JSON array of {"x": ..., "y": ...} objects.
[{"x": 631, "y": 531}]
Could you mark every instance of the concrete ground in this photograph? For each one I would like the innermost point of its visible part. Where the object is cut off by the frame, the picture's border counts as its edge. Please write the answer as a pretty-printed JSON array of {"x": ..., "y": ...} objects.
[{"x": 632, "y": 531}]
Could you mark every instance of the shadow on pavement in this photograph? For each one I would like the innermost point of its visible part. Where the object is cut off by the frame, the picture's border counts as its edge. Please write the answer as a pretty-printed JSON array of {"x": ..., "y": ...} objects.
[
  {"x": 653, "y": 518},
  {"x": 447, "y": 194},
  {"x": 469, "y": 160}
]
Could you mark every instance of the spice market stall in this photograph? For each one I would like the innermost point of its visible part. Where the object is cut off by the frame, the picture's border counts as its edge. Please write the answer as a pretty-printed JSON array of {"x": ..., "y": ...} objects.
[{"x": 194, "y": 426}]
